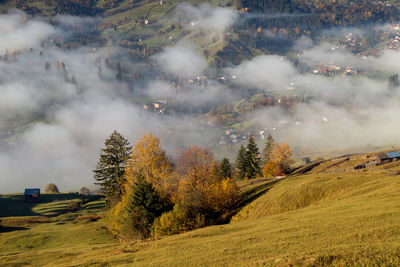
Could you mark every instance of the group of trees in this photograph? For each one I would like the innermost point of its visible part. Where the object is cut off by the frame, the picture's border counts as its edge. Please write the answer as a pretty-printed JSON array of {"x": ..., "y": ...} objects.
[
  {"x": 274, "y": 161},
  {"x": 53, "y": 188},
  {"x": 330, "y": 13},
  {"x": 149, "y": 193},
  {"x": 248, "y": 161},
  {"x": 77, "y": 7}
]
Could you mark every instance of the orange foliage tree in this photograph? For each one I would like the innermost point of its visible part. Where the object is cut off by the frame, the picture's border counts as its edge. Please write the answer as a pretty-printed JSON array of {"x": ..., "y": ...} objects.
[
  {"x": 279, "y": 161},
  {"x": 200, "y": 185}
]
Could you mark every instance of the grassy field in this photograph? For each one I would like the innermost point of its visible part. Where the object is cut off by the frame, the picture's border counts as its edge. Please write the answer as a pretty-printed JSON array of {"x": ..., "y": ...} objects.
[{"x": 316, "y": 219}]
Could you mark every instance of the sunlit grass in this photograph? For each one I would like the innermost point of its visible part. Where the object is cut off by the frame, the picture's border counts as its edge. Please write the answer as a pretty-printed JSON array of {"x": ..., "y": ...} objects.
[{"x": 343, "y": 219}]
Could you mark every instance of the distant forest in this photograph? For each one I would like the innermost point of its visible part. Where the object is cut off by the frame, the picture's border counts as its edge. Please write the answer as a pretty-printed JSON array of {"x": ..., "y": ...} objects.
[{"x": 273, "y": 24}]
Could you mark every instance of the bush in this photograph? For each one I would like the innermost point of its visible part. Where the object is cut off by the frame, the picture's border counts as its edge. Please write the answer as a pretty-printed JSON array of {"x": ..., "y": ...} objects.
[
  {"x": 51, "y": 188},
  {"x": 84, "y": 191},
  {"x": 74, "y": 206},
  {"x": 179, "y": 220}
]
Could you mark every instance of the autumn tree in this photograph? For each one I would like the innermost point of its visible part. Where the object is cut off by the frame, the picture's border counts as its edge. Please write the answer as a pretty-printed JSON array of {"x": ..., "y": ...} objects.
[
  {"x": 148, "y": 165},
  {"x": 200, "y": 188},
  {"x": 151, "y": 161},
  {"x": 280, "y": 161},
  {"x": 252, "y": 159},
  {"x": 51, "y": 188},
  {"x": 240, "y": 163},
  {"x": 281, "y": 156},
  {"x": 196, "y": 168},
  {"x": 110, "y": 169},
  {"x": 269, "y": 147}
]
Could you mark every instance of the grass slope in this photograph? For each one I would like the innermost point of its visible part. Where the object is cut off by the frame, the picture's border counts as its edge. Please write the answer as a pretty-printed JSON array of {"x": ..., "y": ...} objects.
[{"x": 341, "y": 218}]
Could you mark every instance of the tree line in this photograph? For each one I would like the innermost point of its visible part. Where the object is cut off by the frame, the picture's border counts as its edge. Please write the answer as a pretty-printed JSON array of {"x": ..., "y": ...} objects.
[{"x": 148, "y": 193}]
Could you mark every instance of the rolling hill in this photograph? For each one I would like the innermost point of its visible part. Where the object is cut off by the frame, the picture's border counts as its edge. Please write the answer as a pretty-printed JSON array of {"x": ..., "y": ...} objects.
[{"x": 336, "y": 217}]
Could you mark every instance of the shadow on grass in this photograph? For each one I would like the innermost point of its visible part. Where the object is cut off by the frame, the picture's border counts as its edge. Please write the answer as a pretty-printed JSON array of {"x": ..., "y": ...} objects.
[
  {"x": 5, "y": 229},
  {"x": 15, "y": 205},
  {"x": 248, "y": 196}
]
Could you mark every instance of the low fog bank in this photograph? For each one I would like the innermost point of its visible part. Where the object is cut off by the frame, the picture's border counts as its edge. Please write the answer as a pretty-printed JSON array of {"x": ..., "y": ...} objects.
[{"x": 82, "y": 105}]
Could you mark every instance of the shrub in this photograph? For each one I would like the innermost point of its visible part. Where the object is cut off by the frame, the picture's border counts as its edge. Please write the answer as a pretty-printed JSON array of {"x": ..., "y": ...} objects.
[
  {"x": 74, "y": 206},
  {"x": 84, "y": 191},
  {"x": 51, "y": 188},
  {"x": 176, "y": 221}
]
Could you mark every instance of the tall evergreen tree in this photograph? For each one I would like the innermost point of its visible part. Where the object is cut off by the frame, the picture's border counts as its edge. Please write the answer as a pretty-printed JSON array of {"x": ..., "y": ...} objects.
[
  {"x": 110, "y": 168},
  {"x": 268, "y": 149},
  {"x": 145, "y": 205},
  {"x": 252, "y": 159},
  {"x": 226, "y": 168},
  {"x": 240, "y": 163}
]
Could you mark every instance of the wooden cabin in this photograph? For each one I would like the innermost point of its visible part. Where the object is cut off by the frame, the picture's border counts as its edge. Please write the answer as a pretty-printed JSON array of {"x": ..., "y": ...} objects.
[
  {"x": 385, "y": 157},
  {"x": 32, "y": 194}
]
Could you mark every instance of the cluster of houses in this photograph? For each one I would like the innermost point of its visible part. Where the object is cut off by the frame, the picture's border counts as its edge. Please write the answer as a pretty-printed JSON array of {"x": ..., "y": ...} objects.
[
  {"x": 394, "y": 43},
  {"x": 158, "y": 107},
  {"x": 232, "y": 137},
  {"x": 333, "y": 70}
]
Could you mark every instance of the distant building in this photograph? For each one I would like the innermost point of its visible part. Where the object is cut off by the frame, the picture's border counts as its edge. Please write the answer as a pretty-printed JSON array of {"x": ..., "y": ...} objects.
[
  {"x": 385, "y": 157},
  {"x": 32, "y": 194}
]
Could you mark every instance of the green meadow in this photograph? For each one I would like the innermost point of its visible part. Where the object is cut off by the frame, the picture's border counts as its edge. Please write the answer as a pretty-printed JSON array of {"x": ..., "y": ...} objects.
[{"x": 337, "y": 217}]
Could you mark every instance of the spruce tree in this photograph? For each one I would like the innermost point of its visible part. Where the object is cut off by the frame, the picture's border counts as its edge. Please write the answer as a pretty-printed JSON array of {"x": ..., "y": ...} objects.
[
  {"x": 145, "y": 205},
  {"x": 240, "y": 163},
  {"x": 110, "y": 168},
  {"x": 252, "y": 159},
  {"x": 225, "y": 168},
  {"x": 268, "y": 149}
]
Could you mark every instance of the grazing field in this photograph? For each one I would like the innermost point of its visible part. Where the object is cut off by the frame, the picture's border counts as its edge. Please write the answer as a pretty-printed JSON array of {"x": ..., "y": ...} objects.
[{"x": 341, "y": 218}]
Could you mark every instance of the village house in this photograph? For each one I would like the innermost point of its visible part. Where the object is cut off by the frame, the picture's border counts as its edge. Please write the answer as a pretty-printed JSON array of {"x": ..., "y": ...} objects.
[
  {"x": 385, "y": 157},
  {"x": 32, "y": 194},
  {"x": 380, "y": 159}
]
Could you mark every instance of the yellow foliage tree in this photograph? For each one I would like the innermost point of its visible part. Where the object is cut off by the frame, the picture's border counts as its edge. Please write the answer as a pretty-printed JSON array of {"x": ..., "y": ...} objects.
[
  {"x": 282, "y": 157},
  {"x": 280, "y": 160},
  {"x": 150, "y": 162},
  {"x": 221, "y": 195},
  {"x": 200, "y": 186},
  {"x": 269, "y": 169}
]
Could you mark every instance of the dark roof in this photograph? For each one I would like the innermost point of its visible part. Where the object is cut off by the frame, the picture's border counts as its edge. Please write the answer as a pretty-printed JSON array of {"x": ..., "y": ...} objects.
[{"x": 32, "y": 191}]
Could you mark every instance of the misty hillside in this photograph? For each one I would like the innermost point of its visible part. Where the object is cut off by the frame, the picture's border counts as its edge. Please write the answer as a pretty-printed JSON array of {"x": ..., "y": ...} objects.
[
  {"x": 151, "y": 132},
  {"x": 205, "y": 74}
]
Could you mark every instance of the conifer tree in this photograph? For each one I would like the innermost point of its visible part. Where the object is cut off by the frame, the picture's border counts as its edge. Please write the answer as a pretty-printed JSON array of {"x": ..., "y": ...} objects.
[
  {"x": 268, "y": 149},
  {"x": 225, "y": 168},
  {"x": 110, "y": 168},
  {"x": 240, "y": 163},
  {"x": 145, "y": 205},
  {"x": 252, "y": 159}
]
